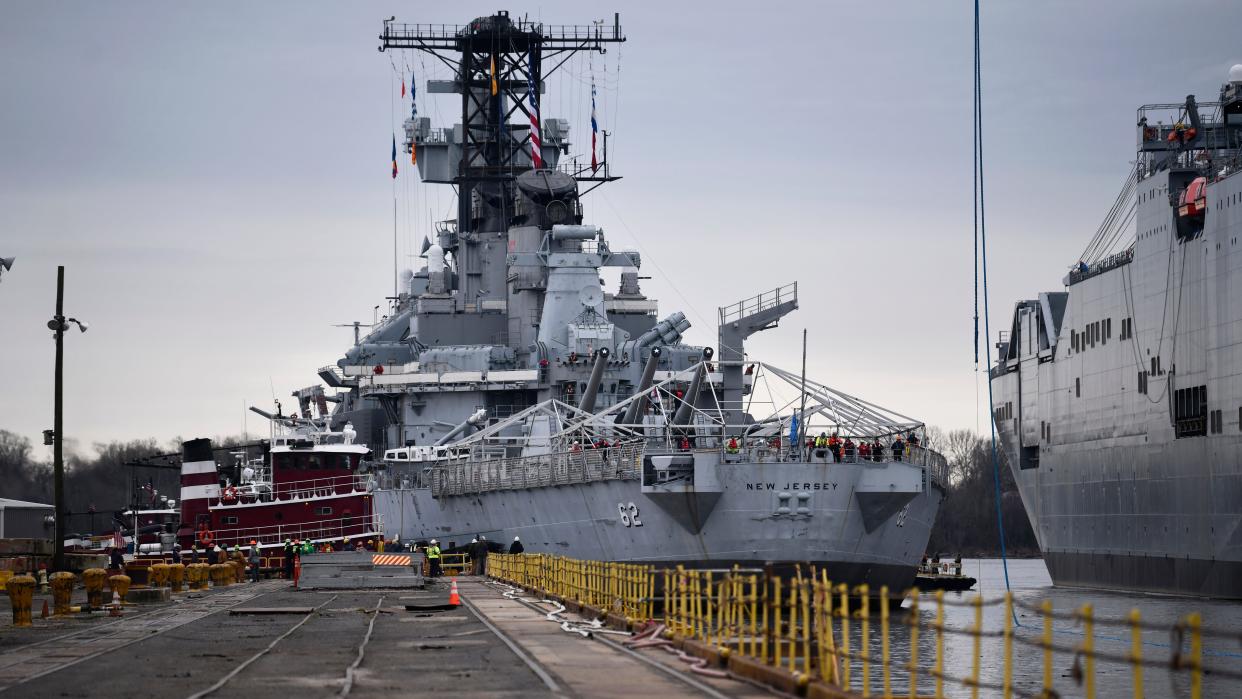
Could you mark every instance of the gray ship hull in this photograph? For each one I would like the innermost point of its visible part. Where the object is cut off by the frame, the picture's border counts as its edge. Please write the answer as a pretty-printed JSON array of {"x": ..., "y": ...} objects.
[
  {"x": 1138, "y": 517},
  {"x": 769, "y": 512},
  {"x": 1118, "y": 404}
]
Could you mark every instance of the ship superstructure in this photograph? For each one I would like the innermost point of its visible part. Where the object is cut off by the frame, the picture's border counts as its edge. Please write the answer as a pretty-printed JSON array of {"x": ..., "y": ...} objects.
[
  {"x": 511, "y": 395},
  {"x": 1118, "y": 399}
]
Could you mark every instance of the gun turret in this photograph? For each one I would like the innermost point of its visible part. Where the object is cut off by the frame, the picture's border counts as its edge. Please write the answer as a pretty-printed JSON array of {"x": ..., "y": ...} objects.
[
  {"x": 639, "y": 406},
  {"x": 587, "y": 403},
  {"x": 686, "y": 410},
  {"x": 475, "y": 420}
]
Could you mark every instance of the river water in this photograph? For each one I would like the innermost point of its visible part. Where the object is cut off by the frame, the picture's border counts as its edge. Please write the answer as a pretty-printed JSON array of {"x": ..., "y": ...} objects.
[{"x": 1031, "y": 585}]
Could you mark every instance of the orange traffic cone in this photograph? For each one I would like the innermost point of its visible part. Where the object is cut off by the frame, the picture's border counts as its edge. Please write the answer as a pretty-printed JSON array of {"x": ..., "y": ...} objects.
[
  {"x": 44, "y": 609},
  {"x": 454, "y": 598}
]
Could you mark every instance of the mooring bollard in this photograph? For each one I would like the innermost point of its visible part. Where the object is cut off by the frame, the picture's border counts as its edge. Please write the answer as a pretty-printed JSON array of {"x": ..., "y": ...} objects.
[
  {"x": 176, "y": 574},
  {"x": 21, "y": 594},
  {"x": 157, "y": 575},
  {"x": 221, "y": 574},
  {"x": 93, "y": 579},
  {"x": 200, "y": 576},
  {"x": 119, "y": 584},
  {"x": 62, "y": 591}
]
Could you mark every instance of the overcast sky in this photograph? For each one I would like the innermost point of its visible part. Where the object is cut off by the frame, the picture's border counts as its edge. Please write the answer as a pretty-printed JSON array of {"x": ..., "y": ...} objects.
[{"x": 215, "y": 179}]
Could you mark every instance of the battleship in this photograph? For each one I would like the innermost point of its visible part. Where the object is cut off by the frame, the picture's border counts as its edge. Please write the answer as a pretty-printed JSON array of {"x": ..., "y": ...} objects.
[
  {"x": 1117, "y": 400},
  {"x": 507, "y": 394}
]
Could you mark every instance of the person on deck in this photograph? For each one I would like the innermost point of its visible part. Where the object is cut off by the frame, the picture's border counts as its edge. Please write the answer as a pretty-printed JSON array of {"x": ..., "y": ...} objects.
[
  {"x": 898, "y": 447},
  {"x": 255, "y": 562},
  {"x": 288, "y": 559},
  {"x": 433, "y": 558},
  {"x": 516, "y": 546}
]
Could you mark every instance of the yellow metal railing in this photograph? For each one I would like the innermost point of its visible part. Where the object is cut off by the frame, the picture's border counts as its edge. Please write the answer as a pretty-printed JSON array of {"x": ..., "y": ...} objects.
[
  {"x": 623, "y": 589},
  {"x": 806, "y": 629}
]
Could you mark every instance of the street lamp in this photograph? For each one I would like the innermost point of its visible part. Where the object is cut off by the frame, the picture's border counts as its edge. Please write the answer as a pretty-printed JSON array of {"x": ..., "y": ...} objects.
[{"x": 58, "y": 325}]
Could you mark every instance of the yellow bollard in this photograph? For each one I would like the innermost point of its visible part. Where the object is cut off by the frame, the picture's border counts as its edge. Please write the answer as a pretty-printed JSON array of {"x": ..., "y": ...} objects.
[
  {"x": 21, "y": 595},
  {"x": 202, "y": 579},
  {"x": 221, "y": 574},
  {"x": 119, "y": 585},
  {"x": 93, "y": 579},
  {"x": 157, "y": 575},
  {"x": 62, "y": 590},
  {"x": 176, "y": 574}
]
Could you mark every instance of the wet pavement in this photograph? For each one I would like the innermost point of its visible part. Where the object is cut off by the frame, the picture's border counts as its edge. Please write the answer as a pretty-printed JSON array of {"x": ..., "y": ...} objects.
[{"x": 266, "y": 639}]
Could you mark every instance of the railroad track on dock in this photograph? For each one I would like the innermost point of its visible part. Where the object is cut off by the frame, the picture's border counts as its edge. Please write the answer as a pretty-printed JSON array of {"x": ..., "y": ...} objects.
[{"x": 34, "y": 660}]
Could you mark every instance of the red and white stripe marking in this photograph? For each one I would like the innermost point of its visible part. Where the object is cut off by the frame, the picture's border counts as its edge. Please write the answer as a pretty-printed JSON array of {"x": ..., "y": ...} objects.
[{"x": 390, "y": 559}]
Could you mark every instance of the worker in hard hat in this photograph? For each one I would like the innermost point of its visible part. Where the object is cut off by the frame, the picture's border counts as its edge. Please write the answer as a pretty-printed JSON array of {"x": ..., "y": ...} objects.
[
  {"x": 256, "y": 562},
  {"x": 433, "y": 558},
  {"x": 288, "y": 560},
  {"x": 516, "y": 546}
]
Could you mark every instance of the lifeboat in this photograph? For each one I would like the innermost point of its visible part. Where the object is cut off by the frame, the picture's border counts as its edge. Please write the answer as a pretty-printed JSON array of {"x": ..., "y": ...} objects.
[{"x": 1193, "y": 199}]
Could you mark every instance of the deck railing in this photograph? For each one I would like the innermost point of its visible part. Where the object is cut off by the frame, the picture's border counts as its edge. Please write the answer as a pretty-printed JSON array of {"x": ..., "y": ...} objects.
[
  {"x": 282, "y": 491},
  {"x": 585, "y": 466},
  {"x": 358, "y": 526},
  {"x": 806, "y": 635}
]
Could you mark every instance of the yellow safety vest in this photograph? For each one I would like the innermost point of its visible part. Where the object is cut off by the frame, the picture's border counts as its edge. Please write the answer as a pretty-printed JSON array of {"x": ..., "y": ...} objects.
[{"x": 433, "y": 552}]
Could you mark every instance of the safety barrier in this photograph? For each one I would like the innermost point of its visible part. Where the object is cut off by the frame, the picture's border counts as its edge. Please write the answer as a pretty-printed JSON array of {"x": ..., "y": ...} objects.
[
  {"x": 625, "y": 590},
  {"x": 805, "y": 634},
  {"x": 455, "y": 563}
]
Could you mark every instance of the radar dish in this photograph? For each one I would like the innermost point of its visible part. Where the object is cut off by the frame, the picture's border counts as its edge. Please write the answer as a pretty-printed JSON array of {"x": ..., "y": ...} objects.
[{"x": 591, "y": 295}]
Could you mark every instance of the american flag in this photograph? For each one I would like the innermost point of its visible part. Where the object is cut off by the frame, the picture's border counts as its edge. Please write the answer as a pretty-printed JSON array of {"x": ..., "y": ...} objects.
[
  {"x": 536, "y": 145},
  {"x": 594, "y": 127}
]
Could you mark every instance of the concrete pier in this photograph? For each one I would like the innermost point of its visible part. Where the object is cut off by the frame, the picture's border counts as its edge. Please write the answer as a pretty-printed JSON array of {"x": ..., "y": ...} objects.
[{"x": 378, "y": 636}]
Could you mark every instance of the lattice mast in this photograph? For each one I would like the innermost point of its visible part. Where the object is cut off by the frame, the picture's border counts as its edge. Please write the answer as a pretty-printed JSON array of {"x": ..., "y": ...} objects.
[{"x": 497, "y": 63}]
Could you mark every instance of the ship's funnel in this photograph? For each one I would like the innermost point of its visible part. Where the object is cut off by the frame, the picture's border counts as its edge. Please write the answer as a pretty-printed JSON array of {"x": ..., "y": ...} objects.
[{"x": 199, "y": 485}]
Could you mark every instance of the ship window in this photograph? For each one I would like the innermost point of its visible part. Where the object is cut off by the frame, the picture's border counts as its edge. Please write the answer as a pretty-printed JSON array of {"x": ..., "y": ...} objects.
[
  {"x": 1190, "y": 414},
  {"x": 323, "y": 510},
  {"x": 313, "y": 462},
  {"x": 228, "y": 520},
  {"x": 1078, "y": 388}
]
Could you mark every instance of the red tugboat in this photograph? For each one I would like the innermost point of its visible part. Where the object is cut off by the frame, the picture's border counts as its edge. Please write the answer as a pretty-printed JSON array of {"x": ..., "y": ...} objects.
[{"x": 311, "y": 486}]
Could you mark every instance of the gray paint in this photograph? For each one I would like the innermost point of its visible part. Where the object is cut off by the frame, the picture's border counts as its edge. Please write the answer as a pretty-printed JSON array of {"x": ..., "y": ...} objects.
[{"x": 1117, "y": 499}]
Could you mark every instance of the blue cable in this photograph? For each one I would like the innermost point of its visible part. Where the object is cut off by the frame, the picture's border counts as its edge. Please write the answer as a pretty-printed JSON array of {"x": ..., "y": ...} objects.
[{"x": 981, "y": 246}]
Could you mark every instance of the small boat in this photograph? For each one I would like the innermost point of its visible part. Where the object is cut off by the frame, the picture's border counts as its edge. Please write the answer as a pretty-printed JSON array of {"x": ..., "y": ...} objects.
[{"x": 934, "y": 575}]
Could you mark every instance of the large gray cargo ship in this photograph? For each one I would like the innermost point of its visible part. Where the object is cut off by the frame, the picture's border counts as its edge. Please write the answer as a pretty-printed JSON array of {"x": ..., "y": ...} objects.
[
  {"x": 510, "y": 395},
  {"x": 1119, "y": 399}
]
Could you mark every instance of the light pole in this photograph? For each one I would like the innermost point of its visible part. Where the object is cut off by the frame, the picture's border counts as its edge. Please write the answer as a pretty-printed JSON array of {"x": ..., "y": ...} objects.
[{"x": 58, "y": 325}]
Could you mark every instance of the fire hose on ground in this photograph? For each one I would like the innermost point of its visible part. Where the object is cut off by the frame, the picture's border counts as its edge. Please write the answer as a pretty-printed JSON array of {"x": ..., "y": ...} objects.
[{"x": 649, "y": 637}]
